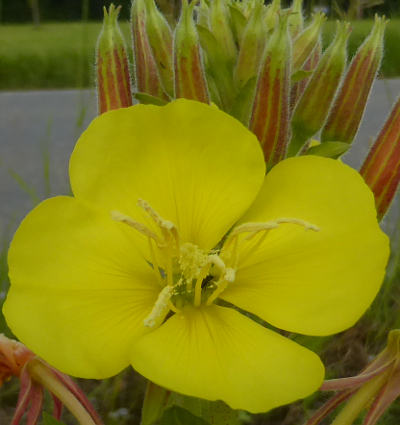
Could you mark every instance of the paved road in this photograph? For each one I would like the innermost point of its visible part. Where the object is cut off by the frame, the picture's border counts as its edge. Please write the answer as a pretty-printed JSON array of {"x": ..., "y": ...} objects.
[{"x": 39, "y": 128}]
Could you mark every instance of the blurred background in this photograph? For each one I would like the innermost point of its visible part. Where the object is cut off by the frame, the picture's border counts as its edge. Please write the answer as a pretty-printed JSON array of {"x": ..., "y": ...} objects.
[{"x": 47, "y": 98}]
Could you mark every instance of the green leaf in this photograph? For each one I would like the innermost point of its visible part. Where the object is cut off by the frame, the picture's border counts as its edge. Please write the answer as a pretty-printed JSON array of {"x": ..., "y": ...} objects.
[
  {"x": 212, "y": 412},
  {"x": 155, "y": 402},
  {"x": 179, "y": 416},
  {"x": 329, "y": 149},
  {"x": 50, "y": 420},
  {"x": 148, "y": 99}
]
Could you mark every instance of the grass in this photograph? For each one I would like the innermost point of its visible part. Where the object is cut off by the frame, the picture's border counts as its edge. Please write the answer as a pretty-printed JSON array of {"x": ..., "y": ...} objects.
[{"x": 62, "y": 55}]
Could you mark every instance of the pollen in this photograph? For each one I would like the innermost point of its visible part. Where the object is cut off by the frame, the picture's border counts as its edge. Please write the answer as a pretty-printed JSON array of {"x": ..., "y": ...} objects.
[
  {"x": 192, "y": 261},
  {"x": 160, "y": 309}
]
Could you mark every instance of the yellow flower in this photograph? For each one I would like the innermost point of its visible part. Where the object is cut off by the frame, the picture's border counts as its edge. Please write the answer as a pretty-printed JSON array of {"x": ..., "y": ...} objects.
[{"x": 172, "y": 225}]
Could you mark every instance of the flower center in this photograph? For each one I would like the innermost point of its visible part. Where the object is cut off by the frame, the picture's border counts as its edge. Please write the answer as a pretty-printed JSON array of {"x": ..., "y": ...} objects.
[{"x": 187, "y": 274}]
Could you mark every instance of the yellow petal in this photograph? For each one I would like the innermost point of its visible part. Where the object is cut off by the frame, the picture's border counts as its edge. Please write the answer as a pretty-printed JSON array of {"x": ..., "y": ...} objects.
[
  {"x": 310, "y": 282},
  {"x": 195, "y": 165},
  {"x": 216, "y": 353},
  {"x": 79, "y": 289}
]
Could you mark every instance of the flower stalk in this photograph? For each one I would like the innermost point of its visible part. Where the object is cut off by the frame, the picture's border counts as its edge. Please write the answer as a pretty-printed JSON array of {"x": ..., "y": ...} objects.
[
  {"x": 35, "y": 376},
  {"x": 373, "y": 390}
]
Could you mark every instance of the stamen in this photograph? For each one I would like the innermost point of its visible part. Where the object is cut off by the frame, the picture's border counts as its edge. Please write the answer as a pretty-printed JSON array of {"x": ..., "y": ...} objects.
[
  {"x": 168, "y": 227},
  {"x": 155, "y": 265},
  {"x": 290, "y": 220},
  {"x": 222, "y": 284},
  {"x": 217, "y": 262},
  {"x": 118, "y": 216},
  {"x": 199, "y": 281},
  {"x": 161, "y": 308},
  {"x": 257, "y": 227}
]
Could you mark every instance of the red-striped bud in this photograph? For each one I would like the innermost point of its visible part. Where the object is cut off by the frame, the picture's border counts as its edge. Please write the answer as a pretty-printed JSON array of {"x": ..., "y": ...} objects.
[
  {"x": 313, "y": 107},
  {"x": 270, "y": 116},
  {"x": 252, "y": 46},
  {"x": 306, "y": 41},
  {"x": 147, "y": 78},
  {"x": 381, "y": 169},
  {"x": 310, "y": 65},
  {"x": 345, "y": 117},
  {"x": 222, "y": 29},
  {"x": 112, "y": 69},
  {"x": 190, "y": 81},
  {"x": 160, "y": 38}
]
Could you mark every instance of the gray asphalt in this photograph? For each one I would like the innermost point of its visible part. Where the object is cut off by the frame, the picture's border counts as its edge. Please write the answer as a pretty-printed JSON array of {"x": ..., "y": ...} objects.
[{"x": 39, "y": 128}]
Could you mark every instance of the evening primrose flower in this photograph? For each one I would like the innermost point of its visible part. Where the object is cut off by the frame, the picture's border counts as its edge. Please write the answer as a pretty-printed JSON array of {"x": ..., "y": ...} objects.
[{"x": 172, "y": 233}]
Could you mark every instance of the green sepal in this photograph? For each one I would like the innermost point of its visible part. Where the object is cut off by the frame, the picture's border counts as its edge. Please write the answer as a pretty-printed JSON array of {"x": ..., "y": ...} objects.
[
  {"x": 222, "y": 30},
  {"x": 238, "y": 21},
  {"x": 217, "y": 66},
  {"x": 148, "y": 99},
  {"x": 329, "y": 149},
  {"x": 242, "y": 105},
  {"x": 300, "y": 75}
]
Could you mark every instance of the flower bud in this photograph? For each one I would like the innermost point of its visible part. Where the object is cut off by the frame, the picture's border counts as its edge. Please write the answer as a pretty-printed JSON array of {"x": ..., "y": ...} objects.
[
  {"x": 309, "y": 66},
  {"x": 306, "y": 41},
  {"x": 270, "y": 115},
  {"x": 218, "y": 71},
  {"x": 113, "y": 77},
  {"x": 252, "y": 46},
  {"x": 221, "y": 29},
  {"x": 190, "y": 81},
  {"x": 203, "y": 14},
  {"x": 313, "y": 107},
  {"x": 147, "y": 78},
  {"x": 238, "y": 21},
  {"x": 345, "y": 117},
  {"x": 381, "y": 169},
  {"x": 271, "y": 14},
  {"x": 160, "y": 38},
  {"x": 296, "y": 21}
]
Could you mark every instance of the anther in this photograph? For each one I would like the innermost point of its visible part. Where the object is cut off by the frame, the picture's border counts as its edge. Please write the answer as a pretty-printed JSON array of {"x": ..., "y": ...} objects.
[
  {"x": 141, "y": 228},
  {"x": 160, "y": 309},
  {"x": 161, "y": 222},
  {"x": 257, "y": 227}
]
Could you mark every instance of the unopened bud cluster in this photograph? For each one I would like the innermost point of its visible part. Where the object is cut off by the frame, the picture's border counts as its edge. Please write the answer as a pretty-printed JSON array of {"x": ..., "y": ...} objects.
[{"x": 260, "y": 63}]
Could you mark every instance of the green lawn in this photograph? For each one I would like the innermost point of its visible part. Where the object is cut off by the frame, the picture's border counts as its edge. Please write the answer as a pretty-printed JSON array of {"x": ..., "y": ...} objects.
[{"x": 61, "y": 55}]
